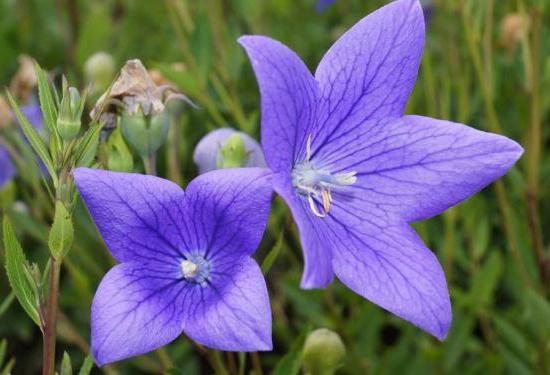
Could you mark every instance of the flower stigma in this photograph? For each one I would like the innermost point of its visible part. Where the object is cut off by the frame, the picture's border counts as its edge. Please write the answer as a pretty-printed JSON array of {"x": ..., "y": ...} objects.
[
  {"x": 317, "y": 183},
  {"x": 195, "y": 269}
]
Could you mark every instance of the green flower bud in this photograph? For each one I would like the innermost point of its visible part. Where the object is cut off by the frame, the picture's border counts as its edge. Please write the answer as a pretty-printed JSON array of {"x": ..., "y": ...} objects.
[
  {"x": 323, "y": 352},
  {"x": 100, "y": 70},
  {"x": 145, "y": 133},
  {"x": 233, "y": 153},
  {"x": 119, "y": 156},
  {"x": 70, "y": 113}
]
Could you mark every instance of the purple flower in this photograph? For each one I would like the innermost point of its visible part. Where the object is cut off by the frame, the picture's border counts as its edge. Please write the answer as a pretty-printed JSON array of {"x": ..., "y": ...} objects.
[
  {"x": 207, "y": 151},
  {"x": 355, "y": 171},
  {"x": 33, "y": 113},
  {"x": 7, "y": 170},
  {"x": 322, "y": 5},
  {"x": 185, "y": 262}
]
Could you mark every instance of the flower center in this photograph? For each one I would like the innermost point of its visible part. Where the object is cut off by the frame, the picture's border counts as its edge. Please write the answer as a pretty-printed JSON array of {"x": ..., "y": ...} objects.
[
  {"x": 195, "y": 269},
  {"x": 316, "y": 183}
]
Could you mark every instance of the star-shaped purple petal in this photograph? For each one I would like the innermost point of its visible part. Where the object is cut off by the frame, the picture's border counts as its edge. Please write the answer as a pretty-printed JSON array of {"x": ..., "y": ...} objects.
[
  {"x": 185, "y": 261},
  {"x": 355, "y": 171}
]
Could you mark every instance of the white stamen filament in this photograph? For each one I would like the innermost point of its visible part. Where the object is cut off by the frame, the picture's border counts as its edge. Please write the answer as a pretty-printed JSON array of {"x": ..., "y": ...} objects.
[{"x": 317, "y": 183}]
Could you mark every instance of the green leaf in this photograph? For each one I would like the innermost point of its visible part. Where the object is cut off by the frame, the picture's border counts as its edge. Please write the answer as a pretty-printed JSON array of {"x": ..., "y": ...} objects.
[
  {"x": 47, "y": 105},
  {"x": 62, "y": 232},
  {"x": 66, "y": 368},
  {"x": 485, "y": 281},
  {"x": 291, "y": 361},
  {"x": 3, "y": 347},
  {"x": 8, "y": 367},
  {"x": 273, "y": 254},
  {"x": 6, "y": 304},
  {"x": 539, "y": 309},
  {"x": 34, "y": 139},
  {"x": 86, "y": 149},
  {"x": 86, "y": 365},
  {"x": 16, "y": 269}
]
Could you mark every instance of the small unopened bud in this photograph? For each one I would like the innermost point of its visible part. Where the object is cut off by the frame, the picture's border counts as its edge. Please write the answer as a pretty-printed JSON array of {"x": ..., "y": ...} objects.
[
  {"x": 233, "y": 153},
  {"x": 100, "y": 70},
  {"x": 512, "y": 29},
  {"x": 323, "y": 353},
  {"x": 145, "y": 133},
  {"x": 227, "y": 148},
  {"x": 119, "y": 157},
  {"x": 70, "y": 113}
]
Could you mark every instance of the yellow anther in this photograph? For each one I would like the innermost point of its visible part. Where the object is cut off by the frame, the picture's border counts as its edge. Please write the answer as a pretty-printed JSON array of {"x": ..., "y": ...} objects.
[{"x": 326, "y": 201}]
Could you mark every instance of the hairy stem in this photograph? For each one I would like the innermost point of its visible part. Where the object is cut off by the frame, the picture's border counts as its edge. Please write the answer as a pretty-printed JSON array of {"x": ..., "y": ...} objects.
[{"x": 48, "y": 362}]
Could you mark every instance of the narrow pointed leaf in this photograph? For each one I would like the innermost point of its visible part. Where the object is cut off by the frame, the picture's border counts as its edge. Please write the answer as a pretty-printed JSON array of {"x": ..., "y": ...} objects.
[
  {"x": 3, "y": 346},
  {"x": 86, "y": 366},
  {"x": 34, "y": 139},
  {"x": 272, "y": 256},
  {"x": 15, "y": 269},
  {"x": 9, "y": 366},
  {"x": 47, "y": 105},
  {"x": 66, "y": 368},
  {"x": 87, "y": 147},
  {"x": 291, "y": 361},
  {"x": 6, "y": 304}
]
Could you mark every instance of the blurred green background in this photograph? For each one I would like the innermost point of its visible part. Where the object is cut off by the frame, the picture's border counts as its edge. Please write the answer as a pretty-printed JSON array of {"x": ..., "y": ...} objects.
[{"x": 487, "y": 64}]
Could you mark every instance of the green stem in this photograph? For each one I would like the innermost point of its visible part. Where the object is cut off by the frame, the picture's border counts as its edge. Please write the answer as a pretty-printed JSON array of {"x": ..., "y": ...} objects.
[
  {"x": 164, "y": 359},
  {"x": 534, "y": 148},
  {"x": 48, "y": 363},
  {"x": 494, "y": 126},
  {"x": 217, "y": 362},
  {"x": 256, "y": 364},
  {"x": 150, "y": 164}
]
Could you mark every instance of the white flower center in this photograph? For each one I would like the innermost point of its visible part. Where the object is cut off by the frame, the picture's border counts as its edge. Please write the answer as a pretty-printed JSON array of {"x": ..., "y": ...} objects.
[
  {"x": 189, "y": 269},
  {"x": 195, "y": 268}
]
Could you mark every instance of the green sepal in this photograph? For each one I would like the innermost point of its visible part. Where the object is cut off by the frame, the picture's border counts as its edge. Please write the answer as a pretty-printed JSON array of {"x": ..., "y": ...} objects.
[
  {"x": 119, "y": 156},
  {"x": 233, "y": 153},
  {"x": 145, "y": 134}
]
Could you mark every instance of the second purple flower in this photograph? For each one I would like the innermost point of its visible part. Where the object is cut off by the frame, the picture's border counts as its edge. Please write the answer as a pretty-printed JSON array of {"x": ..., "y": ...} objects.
[{"x": 355, "y": 171}]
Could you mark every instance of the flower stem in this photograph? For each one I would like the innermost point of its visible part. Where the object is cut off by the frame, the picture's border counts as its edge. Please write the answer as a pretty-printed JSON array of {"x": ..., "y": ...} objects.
[
  {"x": 150, "y": 164},
  {"x": 48, "y": 363},
  {"x": 217, "y": 363},
  {"x": 256, "y": 364}
]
